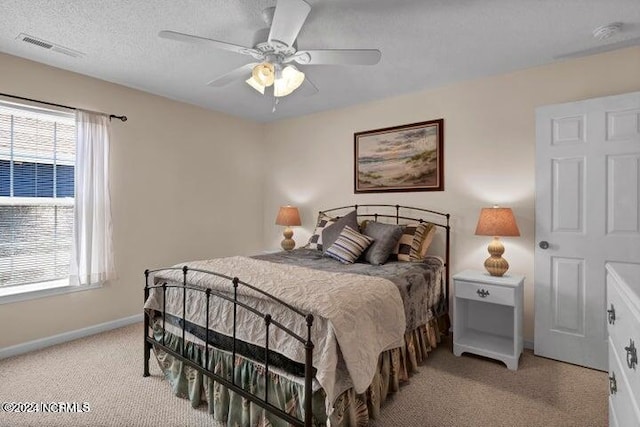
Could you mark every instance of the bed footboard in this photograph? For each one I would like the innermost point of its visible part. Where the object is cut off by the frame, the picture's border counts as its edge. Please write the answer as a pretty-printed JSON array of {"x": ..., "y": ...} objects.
[{"x": 269, "y": 322}]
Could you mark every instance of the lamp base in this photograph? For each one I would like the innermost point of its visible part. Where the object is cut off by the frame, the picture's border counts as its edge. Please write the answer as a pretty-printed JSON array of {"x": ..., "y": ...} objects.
[
  {"x": 495, "y": 264},
  {"x": 288, "y": 243}
]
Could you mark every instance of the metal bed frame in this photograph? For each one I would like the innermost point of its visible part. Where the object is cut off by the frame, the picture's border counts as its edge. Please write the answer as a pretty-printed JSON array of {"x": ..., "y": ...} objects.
[{"x": 235, "y": 282}]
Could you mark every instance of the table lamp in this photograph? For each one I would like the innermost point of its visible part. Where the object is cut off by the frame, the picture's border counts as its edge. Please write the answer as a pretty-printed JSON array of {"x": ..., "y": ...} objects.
[
  {"x": 288, "y": 216},
  {"x": 496, "y": 222}
]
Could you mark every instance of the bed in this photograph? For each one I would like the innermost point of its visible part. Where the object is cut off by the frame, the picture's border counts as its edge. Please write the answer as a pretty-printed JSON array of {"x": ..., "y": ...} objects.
[{"x": 298, "y": 338}]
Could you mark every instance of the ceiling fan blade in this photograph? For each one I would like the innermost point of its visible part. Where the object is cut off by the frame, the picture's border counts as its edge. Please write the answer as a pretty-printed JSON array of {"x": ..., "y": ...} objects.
[
  {"x": 174, "y": 35},
  {"x": 600, "y": 49},
  {"x": 307, "y": 88},
  {"x": 239, "y": 73},
  {"x": 338, "y": 57},
  {"x": 288, "y": 19}
]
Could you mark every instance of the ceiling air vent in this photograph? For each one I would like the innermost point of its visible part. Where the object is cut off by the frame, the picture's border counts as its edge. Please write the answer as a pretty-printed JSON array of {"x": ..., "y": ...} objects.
[{"x": 49, "y": 46}]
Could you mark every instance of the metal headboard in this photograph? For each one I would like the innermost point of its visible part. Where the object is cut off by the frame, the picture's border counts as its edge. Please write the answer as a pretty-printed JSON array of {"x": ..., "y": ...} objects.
[{"x": 397, "y": 213}]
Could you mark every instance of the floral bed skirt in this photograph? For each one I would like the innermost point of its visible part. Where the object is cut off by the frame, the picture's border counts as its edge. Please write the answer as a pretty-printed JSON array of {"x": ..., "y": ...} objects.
[{"x": 350, "y": 409}]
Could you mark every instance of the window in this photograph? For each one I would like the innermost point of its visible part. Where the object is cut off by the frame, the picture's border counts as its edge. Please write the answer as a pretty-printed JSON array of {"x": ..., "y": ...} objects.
[{"x": 37, "y": 162}]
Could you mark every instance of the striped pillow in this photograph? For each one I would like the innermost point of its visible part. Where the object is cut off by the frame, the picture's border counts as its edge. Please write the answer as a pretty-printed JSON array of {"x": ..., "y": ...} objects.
[
  {"x": 414, "y": 242},
  {"x": 427, "y": 238},
  {"x": 331, "y": 232},
  {"x": 324, "y": 221},
  {"x": 349, "y": 246}
]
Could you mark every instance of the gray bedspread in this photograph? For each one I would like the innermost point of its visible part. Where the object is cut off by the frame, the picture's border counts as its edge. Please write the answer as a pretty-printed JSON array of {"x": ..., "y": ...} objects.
[{"x": 420, "y": 283}]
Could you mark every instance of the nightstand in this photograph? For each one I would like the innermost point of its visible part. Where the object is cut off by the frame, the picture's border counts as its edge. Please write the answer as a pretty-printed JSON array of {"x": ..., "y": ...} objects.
[{"x": 488, "y": 314}]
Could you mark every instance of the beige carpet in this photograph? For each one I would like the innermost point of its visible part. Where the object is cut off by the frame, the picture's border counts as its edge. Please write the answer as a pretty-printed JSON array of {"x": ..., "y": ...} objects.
[{"x": 105, "y": 371}]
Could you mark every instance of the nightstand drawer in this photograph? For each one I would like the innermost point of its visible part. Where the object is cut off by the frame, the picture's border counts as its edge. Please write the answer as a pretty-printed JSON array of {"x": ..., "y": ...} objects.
[{"x": 486, "y": 293}]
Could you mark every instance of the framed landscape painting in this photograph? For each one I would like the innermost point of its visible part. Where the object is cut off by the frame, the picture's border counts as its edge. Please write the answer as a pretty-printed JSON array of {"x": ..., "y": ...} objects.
[{"x": 401, "y": 158}]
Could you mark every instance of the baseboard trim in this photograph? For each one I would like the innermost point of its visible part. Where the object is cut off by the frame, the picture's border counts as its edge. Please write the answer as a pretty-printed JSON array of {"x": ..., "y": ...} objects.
[{"x": 41, "y": 343}]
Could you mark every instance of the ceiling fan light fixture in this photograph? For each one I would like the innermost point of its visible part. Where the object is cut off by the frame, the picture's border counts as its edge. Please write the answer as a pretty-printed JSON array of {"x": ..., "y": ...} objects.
[
  {"x": 264, "y": 73},
  {"x": 251, "y": 81},
  {"x": 291, "y": 79}
]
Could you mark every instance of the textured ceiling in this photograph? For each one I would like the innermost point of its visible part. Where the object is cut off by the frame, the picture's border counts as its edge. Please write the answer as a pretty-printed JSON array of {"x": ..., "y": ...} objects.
[{"x": 424, "y": 44}]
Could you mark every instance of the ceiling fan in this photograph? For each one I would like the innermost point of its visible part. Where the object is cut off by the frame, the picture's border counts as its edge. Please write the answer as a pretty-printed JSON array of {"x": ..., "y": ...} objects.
[{"x": 275, "y": 51}]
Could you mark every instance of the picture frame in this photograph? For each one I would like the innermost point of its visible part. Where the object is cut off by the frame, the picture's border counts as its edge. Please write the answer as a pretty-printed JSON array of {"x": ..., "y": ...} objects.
[{"x": 400, "y": 158}]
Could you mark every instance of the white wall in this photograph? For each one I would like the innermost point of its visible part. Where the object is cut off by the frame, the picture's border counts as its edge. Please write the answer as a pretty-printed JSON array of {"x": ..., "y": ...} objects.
[
  {"x": 489, "y": 152},
  {"x": 186, "y": 184}
]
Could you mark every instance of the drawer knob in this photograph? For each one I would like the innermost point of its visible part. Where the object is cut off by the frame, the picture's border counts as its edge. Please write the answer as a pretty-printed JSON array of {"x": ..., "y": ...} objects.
[
  {"x": 632, "y": 355},
  {"x": 613, "y": 385},
  {"x": 483, "y": 293},
  {"x": 612, "y": 315},
  {"x": 544, "y": 244}
]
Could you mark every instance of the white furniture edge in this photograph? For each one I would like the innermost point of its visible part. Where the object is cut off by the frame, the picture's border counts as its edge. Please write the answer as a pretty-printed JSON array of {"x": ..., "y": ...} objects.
[
  {"x": 628, "y": 289},
  {"x": 41, "y": 343},
  {"x": 527, "y": 344},
  {"x": 625, "y": 288}
]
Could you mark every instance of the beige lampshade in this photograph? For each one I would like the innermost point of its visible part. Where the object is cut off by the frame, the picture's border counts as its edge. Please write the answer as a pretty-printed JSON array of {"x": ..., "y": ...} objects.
[
  {"x": 497, "y": 222},
  {"x": 289, "y": 216}
]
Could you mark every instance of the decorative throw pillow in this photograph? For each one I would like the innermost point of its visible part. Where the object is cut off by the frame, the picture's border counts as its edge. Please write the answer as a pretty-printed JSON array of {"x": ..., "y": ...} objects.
[
  {"x": 348, "y": 246},
  {"x": 331, "y": 232},
  {"x": 386, "y": 237},
  {"x": 315, "y": 241},
  {"x": 427, "y": 238},
  {"x": 410, "y": 246}
]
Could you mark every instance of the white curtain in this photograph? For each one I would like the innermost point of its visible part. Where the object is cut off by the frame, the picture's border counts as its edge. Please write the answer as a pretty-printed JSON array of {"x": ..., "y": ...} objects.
[{"x": 92, "y": 252}]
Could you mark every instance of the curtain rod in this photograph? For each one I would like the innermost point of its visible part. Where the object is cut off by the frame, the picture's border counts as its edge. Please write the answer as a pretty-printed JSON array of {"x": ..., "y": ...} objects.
[{"x": 111, "y": 116}]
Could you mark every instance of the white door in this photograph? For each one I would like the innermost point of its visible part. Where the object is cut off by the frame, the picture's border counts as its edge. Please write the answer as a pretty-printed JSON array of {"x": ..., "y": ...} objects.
[{"x": 587, "y": 213}]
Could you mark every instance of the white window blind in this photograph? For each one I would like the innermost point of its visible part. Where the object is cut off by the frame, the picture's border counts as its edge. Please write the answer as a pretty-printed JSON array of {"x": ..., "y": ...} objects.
[{"x": 37, "y": 163}]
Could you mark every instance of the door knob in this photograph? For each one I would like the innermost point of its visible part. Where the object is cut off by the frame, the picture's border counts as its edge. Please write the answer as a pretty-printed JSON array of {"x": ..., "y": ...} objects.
[{"x": 544, "y": 244}]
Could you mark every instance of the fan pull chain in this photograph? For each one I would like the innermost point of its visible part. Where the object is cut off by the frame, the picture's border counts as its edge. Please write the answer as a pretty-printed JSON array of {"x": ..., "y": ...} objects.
[{"x": 275, "y": 102}]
